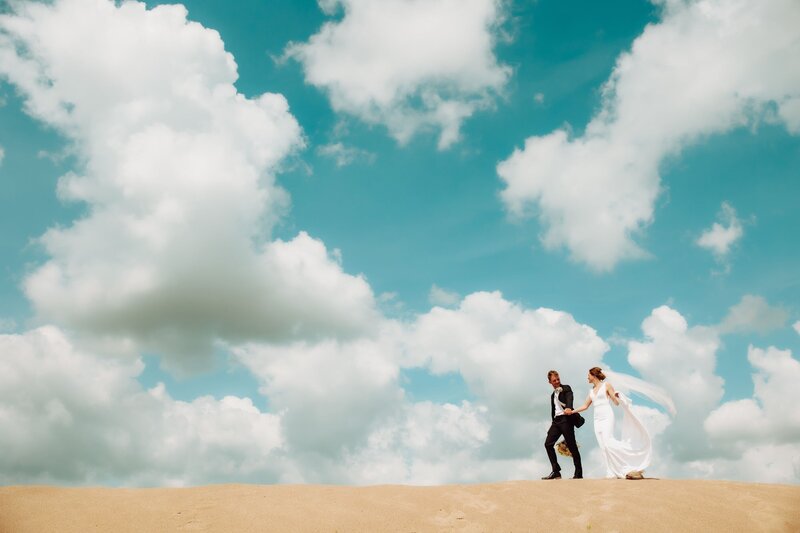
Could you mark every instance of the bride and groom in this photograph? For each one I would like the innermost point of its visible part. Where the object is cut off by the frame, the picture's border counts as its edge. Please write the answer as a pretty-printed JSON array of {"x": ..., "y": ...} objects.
[{"x": 624, "y": 458}]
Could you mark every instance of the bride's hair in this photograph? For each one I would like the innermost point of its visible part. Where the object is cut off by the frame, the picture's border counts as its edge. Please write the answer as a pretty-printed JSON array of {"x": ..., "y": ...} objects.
[{"x": 597, "y": 372}]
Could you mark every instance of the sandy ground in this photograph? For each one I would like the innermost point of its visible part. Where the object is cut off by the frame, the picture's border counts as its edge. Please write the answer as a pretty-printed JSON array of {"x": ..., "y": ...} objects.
[{"x": 562, "y": 505}]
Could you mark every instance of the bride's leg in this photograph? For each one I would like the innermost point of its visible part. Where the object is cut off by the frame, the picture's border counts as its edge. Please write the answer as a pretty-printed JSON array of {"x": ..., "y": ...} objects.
[{"x": 604, "y": 432}]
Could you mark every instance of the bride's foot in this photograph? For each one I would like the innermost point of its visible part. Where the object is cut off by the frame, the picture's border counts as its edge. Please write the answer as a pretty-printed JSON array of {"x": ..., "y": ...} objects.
[{"x": 635, "y": 474}]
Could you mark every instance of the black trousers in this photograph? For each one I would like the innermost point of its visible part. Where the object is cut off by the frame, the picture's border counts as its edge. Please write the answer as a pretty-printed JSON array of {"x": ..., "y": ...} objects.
[{"x": 562, "y": 426}]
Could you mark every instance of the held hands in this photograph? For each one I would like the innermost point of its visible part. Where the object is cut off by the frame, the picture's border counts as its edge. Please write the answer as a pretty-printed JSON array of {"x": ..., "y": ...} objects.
[{"x": 568, "y": 411}]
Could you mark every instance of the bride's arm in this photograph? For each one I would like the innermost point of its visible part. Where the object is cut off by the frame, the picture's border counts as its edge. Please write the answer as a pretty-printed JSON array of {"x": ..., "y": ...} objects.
[
  {"x": 583, "y": 407},
  {"x": 612, "y": 394}
]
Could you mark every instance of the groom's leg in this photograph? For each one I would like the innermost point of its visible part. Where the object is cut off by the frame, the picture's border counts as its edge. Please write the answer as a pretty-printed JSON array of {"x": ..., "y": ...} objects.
[
  {"x": 569, "y": 438},
  {"x": 552, "y": 437}
]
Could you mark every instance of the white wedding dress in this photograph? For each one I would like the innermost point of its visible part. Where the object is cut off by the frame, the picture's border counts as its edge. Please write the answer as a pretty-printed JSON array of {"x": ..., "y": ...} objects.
[{"x": 630, "y": 453}]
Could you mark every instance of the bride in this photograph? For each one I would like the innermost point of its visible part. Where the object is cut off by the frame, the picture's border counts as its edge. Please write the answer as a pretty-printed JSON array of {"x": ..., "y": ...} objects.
[{"x": 629, "y": 456}]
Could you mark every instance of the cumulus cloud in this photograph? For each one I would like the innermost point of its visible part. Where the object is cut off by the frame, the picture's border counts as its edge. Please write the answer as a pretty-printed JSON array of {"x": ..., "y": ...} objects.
[
  {"x": 503, "y": 349},
  {"x": 345, "y": 417},
  {"x": 331, "y": 394},
  {"x": 70, "y": 416},
  {"x": 753, "y": 314},
  {"x": 763, "y": 432},
  {"x": 422, "y": 443},
  {"x": 768, "y": 417},
  {"x": 405, "y": 64},
  {"x": 796, "y": 327},
  {"x": 503, "y": 352},
  {"x": 752, "y": 439},
  {"x": 722, "y": 235},
  {"x": 338, "y": 413},
  {"x": 593, "y": 193},
  {"x": 345, "y": 155},
  {"x": 428, "y": 444},
  {"x": 682, "y": 360},
  {"x": 762, "y": 463},
  {"x": 178, "y": 176},
  {"x": 442, "y": 297}
]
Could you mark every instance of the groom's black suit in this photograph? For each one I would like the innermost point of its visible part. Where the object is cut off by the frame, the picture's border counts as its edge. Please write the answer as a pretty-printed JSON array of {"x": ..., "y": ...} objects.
[{"x": 563, "y": 425}]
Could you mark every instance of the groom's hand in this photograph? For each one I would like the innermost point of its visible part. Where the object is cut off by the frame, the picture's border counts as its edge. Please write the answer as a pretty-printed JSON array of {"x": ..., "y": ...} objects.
[{"x": 568, "y": 411}]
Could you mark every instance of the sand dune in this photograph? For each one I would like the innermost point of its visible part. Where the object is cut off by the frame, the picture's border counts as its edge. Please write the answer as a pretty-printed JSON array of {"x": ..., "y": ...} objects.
[{"x": 563, "y": 505}]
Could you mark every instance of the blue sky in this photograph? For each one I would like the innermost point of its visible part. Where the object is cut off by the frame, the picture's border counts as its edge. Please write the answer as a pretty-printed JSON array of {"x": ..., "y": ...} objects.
[{"x": 404, "y": 213}]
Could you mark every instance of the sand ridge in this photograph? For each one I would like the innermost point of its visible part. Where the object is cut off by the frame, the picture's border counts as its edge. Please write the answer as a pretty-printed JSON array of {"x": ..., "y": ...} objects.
[{"x": 563, "y": 505}]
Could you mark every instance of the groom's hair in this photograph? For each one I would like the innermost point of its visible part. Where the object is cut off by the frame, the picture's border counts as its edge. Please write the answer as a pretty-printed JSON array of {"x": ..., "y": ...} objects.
[{"x": 551, "y": 374}]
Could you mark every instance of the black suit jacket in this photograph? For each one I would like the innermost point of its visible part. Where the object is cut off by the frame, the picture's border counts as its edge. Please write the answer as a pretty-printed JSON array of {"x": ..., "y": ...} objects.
[{"x": 566, "y": 398}]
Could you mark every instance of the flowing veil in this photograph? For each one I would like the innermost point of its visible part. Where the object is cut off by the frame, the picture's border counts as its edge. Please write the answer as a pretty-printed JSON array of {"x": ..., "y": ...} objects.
[{"x": 628, "y": 383}]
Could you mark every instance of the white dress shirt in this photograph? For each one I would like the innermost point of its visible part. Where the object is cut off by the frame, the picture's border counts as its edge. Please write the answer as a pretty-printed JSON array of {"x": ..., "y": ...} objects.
[{"x": 557, "y": 404}]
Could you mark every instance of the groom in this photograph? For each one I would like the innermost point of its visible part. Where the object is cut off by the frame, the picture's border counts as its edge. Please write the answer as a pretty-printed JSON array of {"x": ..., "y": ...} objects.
[{"x": 562, "y": 424}]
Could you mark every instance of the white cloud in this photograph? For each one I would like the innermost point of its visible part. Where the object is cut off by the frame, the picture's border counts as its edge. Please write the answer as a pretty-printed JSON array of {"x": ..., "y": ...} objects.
[
  {"x": 335, "y": 395},
  {"x": 346, "y": 420},
  {"x": 595, "y": 192},
  {"x": 769, "y": 417},
  {"x": 797, "y": 327},
  {"x": 345, "y": 417},
  {"x": 387, "y": 297},
  {"x": 390, "y": 304},
  {"x": 174, "y": 251},
  {"x": 722, "y": 235},
  {"x": 725, "y": 444},
  {"x": 442, "y": 297},
  {"x": 2, "y": 155},
  {"x": 752, "y": 440},
  {"x": 753, "y": 314},
  {"x": 762, "y": 463},
  {"x": 429, "y": 444},
  {"x": 503, "y": 352},
  {"x": 762, "y": 432},
  {"x": 422, "y": 443},
  {"x": 331, "y": 394},
  {"x": 345, "y": 155},
  {"x": 538, "y": 98},
  {"x": 406, "y": 64},
  {"x": 69, "y": 416},
  {"x": 682, "y": 360},
  {"x": 339, "y": 413}
]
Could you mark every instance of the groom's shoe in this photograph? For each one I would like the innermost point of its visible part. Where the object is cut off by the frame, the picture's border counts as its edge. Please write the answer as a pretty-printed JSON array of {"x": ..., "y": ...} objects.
[
  {"x": 577, "y": 476},
  {"x": 553, "y": 475}
]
